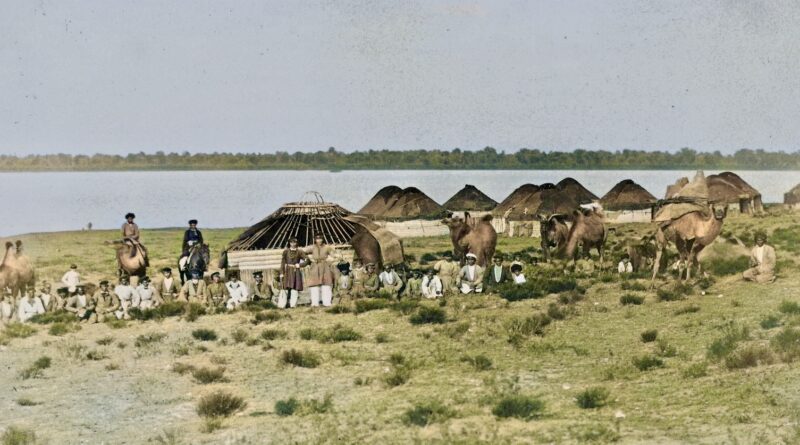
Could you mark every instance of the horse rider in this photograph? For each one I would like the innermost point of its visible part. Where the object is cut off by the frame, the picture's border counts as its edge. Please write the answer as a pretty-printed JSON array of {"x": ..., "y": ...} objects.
[
  {"x": 130, "y": 235},
  {"x": 191, "y": 237}
]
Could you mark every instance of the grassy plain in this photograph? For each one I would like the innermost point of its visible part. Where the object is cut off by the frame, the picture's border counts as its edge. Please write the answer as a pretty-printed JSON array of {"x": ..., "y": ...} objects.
[{"x": 719, "y": 369}]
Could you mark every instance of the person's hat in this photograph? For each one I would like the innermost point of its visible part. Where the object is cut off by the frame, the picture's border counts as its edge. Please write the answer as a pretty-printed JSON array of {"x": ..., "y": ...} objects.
[
  {"x": 80, "y": 287},
  {"x": 166, "y": 269},
  {"x": 472, "y": 255},
  {"x": 343, "y": 267},
  {"x": 73, "y": 266},
  {"x": 104, "y": 283},
  {"x": 516, "y": 267},
  {"x": 390, "y": 266},
  {"x": 192, "y": 221},
  {"x": 130, "y": 215},
  {"x": 145, "y": 280},
  {"x": 319, "y": 235},
  {"x": 447, "y": 254},
  {"x": 215, "y": 274},
  {"x": 294, "y": 239},
  {"x": 761, "y": 235},
  {"x": 62, "y": 290},
  {"x": 195, "y": 274},
  {"x": 258, "y": 274}
]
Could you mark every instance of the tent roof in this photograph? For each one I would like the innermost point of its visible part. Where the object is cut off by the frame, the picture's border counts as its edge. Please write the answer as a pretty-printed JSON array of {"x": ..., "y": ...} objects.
[
  {"x": 301, "y": 219},
  {"x": 627, "y": 195},
  {"x": 792, "y": 196},
  {"x": 519, "y": 194},
  {"x": 471, "y": 199},
  {"x": 547, "y": 200},
  {"x": 728, "y": 187},
  {"x": 381, "y": 201},
  {"x": 412, "y": 203},
  {"x": 576, "y": 190}
]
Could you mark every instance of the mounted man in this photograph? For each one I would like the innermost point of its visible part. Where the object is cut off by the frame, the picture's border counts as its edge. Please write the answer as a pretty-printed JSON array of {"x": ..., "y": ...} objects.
[
  {"x": 195, "y": 254},
  {"x": 130, "y": 236}
]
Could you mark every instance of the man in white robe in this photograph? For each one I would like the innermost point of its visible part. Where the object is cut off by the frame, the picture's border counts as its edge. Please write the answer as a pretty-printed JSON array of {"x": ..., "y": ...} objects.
[
  {"x": 471, "y": 276},
  {"x": 238, "y": 293},
  {"x": 431, "y": 285},
  {"x": 72, "y": 279},
  {"x": 29, "y": 306},
  {"x": 127, "y": 298}
]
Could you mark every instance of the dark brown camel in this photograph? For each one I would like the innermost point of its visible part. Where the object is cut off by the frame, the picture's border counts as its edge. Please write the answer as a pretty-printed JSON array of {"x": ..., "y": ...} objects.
[
  {"x": 589, "y": 231},
  {"x": 553, "y": 231}
]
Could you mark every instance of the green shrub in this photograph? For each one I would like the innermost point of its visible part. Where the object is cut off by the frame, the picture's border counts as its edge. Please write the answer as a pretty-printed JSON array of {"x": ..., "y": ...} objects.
[
  {"x": 204, "y": 334},
  {"x": 633, "y": 285},
  {"x": 239, "y": 335},
  {"x": 18, "y": 330},
  {"x": 339, "y": 309},
  {"x": 647, "y": 362},
  {"x": 536, "y": 288},
  {"x": 273, "y": 334},
  {"x": 406, "y": 306},
  {"x": 267, "y": 317},
  {"x": 194, "y": 311},
  {"x": 426, "y": 413},
  {"x": 182, "y": 368},
  {"x": 311, "y": 334},
  {"x": 258, "y": 306},
  {"x": 36, "y": 369},
  {"x": 429, "y": 315},
  {"x": 669, "y": 295},
  {"x": 105, "y": 341},
  {"x": 398, "y": 376},
  {"x": 519, "y": 328},
  {"x": 593, "y": 398},
  {"x": 96, "y": 355},
  {"x": 629, "y": 299},
  {"x": 370, "y": 304},
  {"x": 208, "y": 375},
  {"x": 787, "y": 343},
  {"x": 521, "y": 407},
  {"x": 749, "y": 356},
  {"x": 726, "y": 265},
  {"x": 691, "y": 309},
  {"x": 60, "y": 328},
  {"x": 649, "y": 335},
  {"x": 299, "y": 358},
  {"x": 665, "y": 349},
  {"x": 286, "y": 407},
  {"x": 293, "y": 406},
  {"x": 723, "y": 346},
  {"x": 220, "y": 404},
  {"x": 341, "y": 334},
  {"x": 381, "y": 338},
  {"x": 60, "y": 316},
  {"x": 149, "y": 339},
  {"x": 770, "y": 322},
  {"x": 24, "y": 401},
  {"x": 789, "y": 307},
  {"x": 18, "y": 436},
  {"x": 555, "y": 312},
  {"x": 695, "y": 370},
  {"x": 398, "y": 359},
  {"x": 480, "y": 362}
]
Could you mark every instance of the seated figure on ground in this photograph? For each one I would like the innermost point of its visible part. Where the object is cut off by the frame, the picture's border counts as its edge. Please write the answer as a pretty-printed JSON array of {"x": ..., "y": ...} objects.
[
  {"x": 516, "y": 274},
  {"x": 432, "y": 285},
  {"x": 238, "y": 293},
  {"x": 29, "y": 305},
  {"x": 217, "y": 293},
  {"x": 471, "y": 276},
  {"x": 104, "y": 303},
  {"x": 391, "y": 281},
  {"x": 762, "y": 261}
]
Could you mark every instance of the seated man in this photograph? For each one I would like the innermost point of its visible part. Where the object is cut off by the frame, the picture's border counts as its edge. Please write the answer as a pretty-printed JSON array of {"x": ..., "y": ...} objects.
[
  {"x": 77, "y": 303},
  {"x": 432, "y": 285},
  {"x": 29, "y": 306},
  {"x": 261, "y": 289},
  {"x": 6, "y": 306},
  {"x": 127, "y": 297},
  {"x": 471, "y": 276},
  {"x": 194, "y": 290},
  {"x": 216, "y": 291},
  {"x": 358, "y": 273},
  {"x": 104, "y": 302},
  {"x": 497, "y": 275},
  {"x": 448, "y": 269},
  {"x": 343, "y": 286},
  {"x": 62, "y": 296},
  {"x": 414, "y": 285},
  {"x": 762, "y": 261},
  {"x": 390, "y": 281},
  {"x": 167, "y": 287},
  {"x": 237, "y": 291},
  {"x": 516, "y": 274},
  {"x": 371, "y": 281},
  {"x": 625, "y": 266},
  {"x": 49, "y": 301},
  {"x": 148, "y": 298}
]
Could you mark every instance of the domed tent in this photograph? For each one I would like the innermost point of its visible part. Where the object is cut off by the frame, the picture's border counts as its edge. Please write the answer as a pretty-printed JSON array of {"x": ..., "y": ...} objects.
[
  {"x": 407, "y": 213},
  {"x": 729, "y": 188},
  {"x": 470, "y": 199},
  {"x": 518, "y": 215},
  {"x": 576, "y": 190},
  {"x": 260, "y": 247},
  {"x": 628, "y": 202},
  {"x": 791, "y": 198},
  {"x": 519, "y": 194}
]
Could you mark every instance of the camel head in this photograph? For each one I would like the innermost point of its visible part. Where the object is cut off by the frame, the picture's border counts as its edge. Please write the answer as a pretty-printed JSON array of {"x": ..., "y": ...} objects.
[
  {"x": 719, "y": 213},
  {"x": 454, "y": 223}
]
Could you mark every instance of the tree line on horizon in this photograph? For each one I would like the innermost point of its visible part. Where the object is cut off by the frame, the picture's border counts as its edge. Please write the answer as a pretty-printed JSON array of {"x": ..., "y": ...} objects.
[{"x": 487, "y": 158}]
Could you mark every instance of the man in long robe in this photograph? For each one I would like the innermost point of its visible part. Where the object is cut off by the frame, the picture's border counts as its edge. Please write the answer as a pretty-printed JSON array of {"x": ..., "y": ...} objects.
[
  {"x": 762, "y": 261},
  {"x": 471, "y": 276}
]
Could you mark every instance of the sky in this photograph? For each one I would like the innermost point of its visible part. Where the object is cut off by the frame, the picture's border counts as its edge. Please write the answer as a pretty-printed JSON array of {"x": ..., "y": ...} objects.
[{"x": 239, "y": 76}]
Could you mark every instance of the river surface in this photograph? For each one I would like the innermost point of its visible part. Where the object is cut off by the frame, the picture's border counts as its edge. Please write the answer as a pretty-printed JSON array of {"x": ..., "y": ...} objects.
[{"x": 46, "y": 201}]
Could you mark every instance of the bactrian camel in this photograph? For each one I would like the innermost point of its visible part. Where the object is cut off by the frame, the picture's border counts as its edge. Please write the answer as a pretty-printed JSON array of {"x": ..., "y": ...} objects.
[
  {"x": 470, "y": 235},
  {"x": 690, "y": 233},
  {"x": 589, "y": 231}
]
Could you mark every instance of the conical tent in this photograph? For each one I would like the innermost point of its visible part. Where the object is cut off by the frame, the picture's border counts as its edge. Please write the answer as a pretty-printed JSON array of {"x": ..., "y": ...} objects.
[
  {"x": 627, "y": 195},
  {"x": 381, "y": 201},
  {"x": 412, "y": 203},
  {"x": 520, "y": 194},
  {"x": 470, "y": 199},
  {"x": 792, "y": 197},
  {"x": 547, "y": 200},
  {"x": 576, "y": 190},
  {"x": 729, "y": 188}
]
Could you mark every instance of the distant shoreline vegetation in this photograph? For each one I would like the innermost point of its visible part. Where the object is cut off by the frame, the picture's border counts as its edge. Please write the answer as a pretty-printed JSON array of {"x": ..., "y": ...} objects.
[{"x": 456, "y": 159}]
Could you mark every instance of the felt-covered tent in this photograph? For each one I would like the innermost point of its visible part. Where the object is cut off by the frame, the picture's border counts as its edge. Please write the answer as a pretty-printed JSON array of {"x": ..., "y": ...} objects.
[
  {"x": 518, "y": 215},
  {"x": 381, "y": 201},
  {"x": 406, "y": 212},
  {"x": 729, "y": 188},
  {"x": 576, "y": 190},
  {"x": 628, "y": 201},
  {"x": 519, "y": 194},
  {"x": 470, "y": 199},
  {"x": 792, "y": 197},
  {"x": 412, "y": 203}
]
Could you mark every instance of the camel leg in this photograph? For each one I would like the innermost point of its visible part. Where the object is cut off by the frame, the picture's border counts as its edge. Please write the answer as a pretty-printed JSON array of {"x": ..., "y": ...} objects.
[{"x": 656, "y": 265}]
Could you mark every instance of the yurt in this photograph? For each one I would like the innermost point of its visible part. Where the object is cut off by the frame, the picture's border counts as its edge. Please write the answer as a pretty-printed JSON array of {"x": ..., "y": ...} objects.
[
  {"x": 522, "y": 217},
  {"x": 470, "y": 200},
  {"x": 260, "y": 247},
  {"x": 729, "y": 188},
  {"x": 577, "y": 191},
  {"x": 499, "y": 222},
  {"x": 628, "y": 202},
  {"x": 791, "y": 198},
  {"x": 407, "y": 213}
]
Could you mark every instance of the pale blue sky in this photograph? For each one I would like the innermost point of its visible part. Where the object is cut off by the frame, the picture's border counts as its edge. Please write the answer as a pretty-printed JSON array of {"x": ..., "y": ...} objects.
[{"x": 121, "y": 76}]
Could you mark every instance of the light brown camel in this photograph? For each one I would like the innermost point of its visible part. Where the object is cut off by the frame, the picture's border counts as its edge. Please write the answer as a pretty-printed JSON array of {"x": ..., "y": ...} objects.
[
  {"x": 470, "y": 235},
  {"x": 26, "y": 276},
  {"x": 132, "y": 264},
  {"x": 7, "y": 273},
  {"x": 588, "y": 231},
  {"x": 16, "y": 271},
  {"x": 690, "y": 233}
]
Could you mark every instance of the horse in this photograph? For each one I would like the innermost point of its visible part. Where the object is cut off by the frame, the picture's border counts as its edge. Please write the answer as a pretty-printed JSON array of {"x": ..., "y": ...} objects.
[{"x": 198, "y": 259}]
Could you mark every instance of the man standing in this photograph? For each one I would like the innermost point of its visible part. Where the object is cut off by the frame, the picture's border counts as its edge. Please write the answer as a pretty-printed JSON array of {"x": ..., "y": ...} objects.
[
  {"x": 431, "y": 285},
  {"x": 216, "y": 291},
  {"x": 167, "y": 287},
  {"x": 390, "y": 281},
  {"x": 105, "y": 304},
  {"x": 127, "y": 297},
  {"x": 191, "y": 237},
  {"x": 261, "y": 289},
  {"x": 194, "y": 291},
  {"x": 448, "y": 270},
  {"x": 238, "y": 293},
  {"x": 471, "y": 276},
  {"x": 497, "y": 275},
  {"x": 72, "y": 279},
  {"x": 130, "y": 234},
  {"x": 29, "y": 306},
  {"x": 319, "y": 274},
  {"x": 762, "y": 261}
]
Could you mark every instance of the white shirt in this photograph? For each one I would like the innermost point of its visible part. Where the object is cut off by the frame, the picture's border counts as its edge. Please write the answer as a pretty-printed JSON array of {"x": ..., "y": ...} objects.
[
  {"x": 431, "y": 287},
  {"x": 45, "y": 297},
  {"x": 498, "y": 273},
  {"x": 624, "y": 267},
  {"x": 345, "y": 281},
  {"x": 470, "y": 272},
  {"x": 71, "y": 279},
  {"x": 760, "y": 254},
  {"x": 126, "y": 293},
  {"x": 519, "y": 279},
  {"x": 389, "y": 278},
  {"x": 144, "y": 293},
  {"x": 238, "y": 291},
  {"x": 28, "y": 309},
  {"x": 168, "y": 282}
]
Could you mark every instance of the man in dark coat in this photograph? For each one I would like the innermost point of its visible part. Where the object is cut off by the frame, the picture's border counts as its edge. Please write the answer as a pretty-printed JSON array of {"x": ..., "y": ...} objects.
[
  {"x": 191, "y": 237},
  {"x": 497, "y": 274}
]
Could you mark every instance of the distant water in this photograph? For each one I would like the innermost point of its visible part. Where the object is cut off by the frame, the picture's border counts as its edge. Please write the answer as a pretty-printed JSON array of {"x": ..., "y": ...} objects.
[{"x": 44, "y": 202}]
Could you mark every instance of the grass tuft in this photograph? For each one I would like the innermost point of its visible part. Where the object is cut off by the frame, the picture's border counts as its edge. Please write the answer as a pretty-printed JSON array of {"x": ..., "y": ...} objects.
[
  {"x": 152, "y": 338},
  {"x": 425, "y": 414},
  {"x": 429, "y": 315},
  {"x": 593, "y": 397},
  {"x": 208, "y": 375},
  {"x": 630, "y": 299},
  {"x": 204, "y": 334},
  {"x": 749, "y": 356},
  {"x": 36, "y": 369},
  {"x": 18, "y": 330},
  {"x": 521, "y": 407},
  {"x": 18, "y": 436},
  {"x": 647, "y": 362},
  {"x": 300, "y": 358},
  {"x": 479, "y": 362},
  {"x": 789, "y": 307},
  {"x": 371, "y": 304},
  {"x": 273, "y": 334},
  {"x": 220, "y": 404}
]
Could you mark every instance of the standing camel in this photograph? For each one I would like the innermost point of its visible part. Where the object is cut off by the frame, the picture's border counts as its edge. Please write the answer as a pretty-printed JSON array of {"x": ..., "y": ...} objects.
[
  {"x": 131, "y": 260},
  {"x": 553, "y": 231},
  {"x": 16, "y": 271},
  {"x": 472, "y": 236},
  {"x": 589, "y": 231},
  {"x": 25, "y": 272},
  {"x": 690, "y": 233},
  {"x": 7, "y": 273}
]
